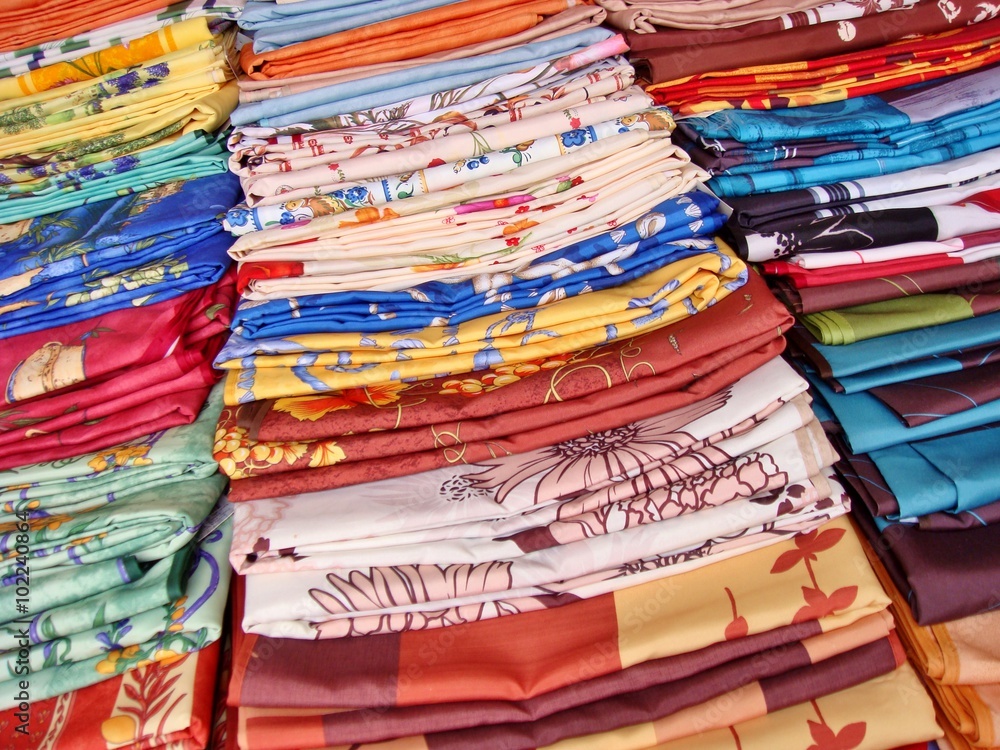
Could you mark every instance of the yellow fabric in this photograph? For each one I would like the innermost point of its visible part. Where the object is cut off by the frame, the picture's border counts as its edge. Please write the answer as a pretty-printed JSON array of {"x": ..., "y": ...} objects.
[
  {"x": 121, "y": 56},
  {"x": 895, "y": 710},
  {"x": 206, "y": 114},
  {"x": 56, "y": 124},
  {"x": 567, "y": 325},
  {"x": 961, "y": 652},
  {"x": 715, "y": 595}
]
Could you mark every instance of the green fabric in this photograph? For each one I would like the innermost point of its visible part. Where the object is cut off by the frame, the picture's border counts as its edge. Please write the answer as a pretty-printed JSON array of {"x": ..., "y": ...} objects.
[
  {"x": 148, "y": 525},
  {"x": 191, "y": 156},
  {"x": 164, "y": 582},
  {"x": 77, "y": 485},
  {"x": 56, "y": 587},
  {"x": 850, "y": 324},
  {"x": 186, "y": 624}
]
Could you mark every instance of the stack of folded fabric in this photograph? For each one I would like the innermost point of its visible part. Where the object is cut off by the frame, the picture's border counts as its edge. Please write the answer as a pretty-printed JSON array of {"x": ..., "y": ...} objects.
[
  {"x": 786, "y": 646},
  {"x": 871, "y": 202},
  {"x": 492, "y": 381},
  {"x": 717, "y": 22},
  {"x": 116, "y": 295},
  {"x": 959, "y": 662},
  {"x": 123, "y": 113}
]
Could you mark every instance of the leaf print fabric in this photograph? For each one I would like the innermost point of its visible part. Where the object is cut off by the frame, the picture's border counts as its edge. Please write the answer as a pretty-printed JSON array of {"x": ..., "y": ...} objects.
[
  {"x": 596, "y": 703},
  {"x": 868, "y": 715},
  {"x": 767, "y": 601},
  {"x": 167, "y": 703},
  {"x": 568, "y": 714}
]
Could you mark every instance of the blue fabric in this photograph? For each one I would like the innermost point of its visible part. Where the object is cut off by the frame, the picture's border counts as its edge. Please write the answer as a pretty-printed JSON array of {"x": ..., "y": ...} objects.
[
  {"x": 125, "y": 252},
  {"x": 869, "y": 425},
  {"x": 400, "y": 86},
  {"x": 439, "y": 303},
  {"x": 885, "y": 138},
  {"x": 95, "y": 234},
  {"x": 162, "y": 279},
  {"x": 274, "y": 26},
  {"x": 898, "y": 349},
  {"x": 954, "y": 473},
  {"x": 866, "y": 114},
  {"x": 972, "y": 139}
]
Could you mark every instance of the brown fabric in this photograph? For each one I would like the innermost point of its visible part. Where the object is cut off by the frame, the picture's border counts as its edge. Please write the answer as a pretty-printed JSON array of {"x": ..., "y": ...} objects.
[
  {"x": 708, "y": 50},
  {"x": 923, "y": 400},
  {"x": 965, "y": 278},
  {"x": 357, "y": 472}
]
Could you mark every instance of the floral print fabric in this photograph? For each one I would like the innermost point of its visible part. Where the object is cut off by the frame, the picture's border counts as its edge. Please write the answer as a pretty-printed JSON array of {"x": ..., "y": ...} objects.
[
  {"x": 657, "y": 299},
  {"x": 107, "y": 475},
  {"x": 544, "y": 477},
  {"x": 97, "y": 63},
  {"x": 134, "y": 127},
  {"x": 185, "y": 625},
  {"x": 611, "y": 623},
  {"x": 130, "y": 707},
  {"x": 595, "y": 513},
  {"x": 359, "y": 435},
  {"x": 95, "y": 259}
]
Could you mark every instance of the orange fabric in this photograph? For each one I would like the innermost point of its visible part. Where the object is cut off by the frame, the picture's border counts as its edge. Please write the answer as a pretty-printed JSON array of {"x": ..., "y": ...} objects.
[
  {"x": 418, "y": 34},
  {"x": 24, "y": 23},
  {"x": 434, "y": 664}
]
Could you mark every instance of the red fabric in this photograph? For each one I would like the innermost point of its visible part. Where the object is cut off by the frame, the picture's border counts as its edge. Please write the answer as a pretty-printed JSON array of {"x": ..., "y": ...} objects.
[
  {"x": 801, "y": 277},
  {"x": 152, "y": 376},
  {"x": 84, "y": 718}
]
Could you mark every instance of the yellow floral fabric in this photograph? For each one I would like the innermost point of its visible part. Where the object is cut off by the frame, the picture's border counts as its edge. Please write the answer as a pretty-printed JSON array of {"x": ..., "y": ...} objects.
[
  {"x": 168, "y": 39},
  {"x": 319, "y": 363}
]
